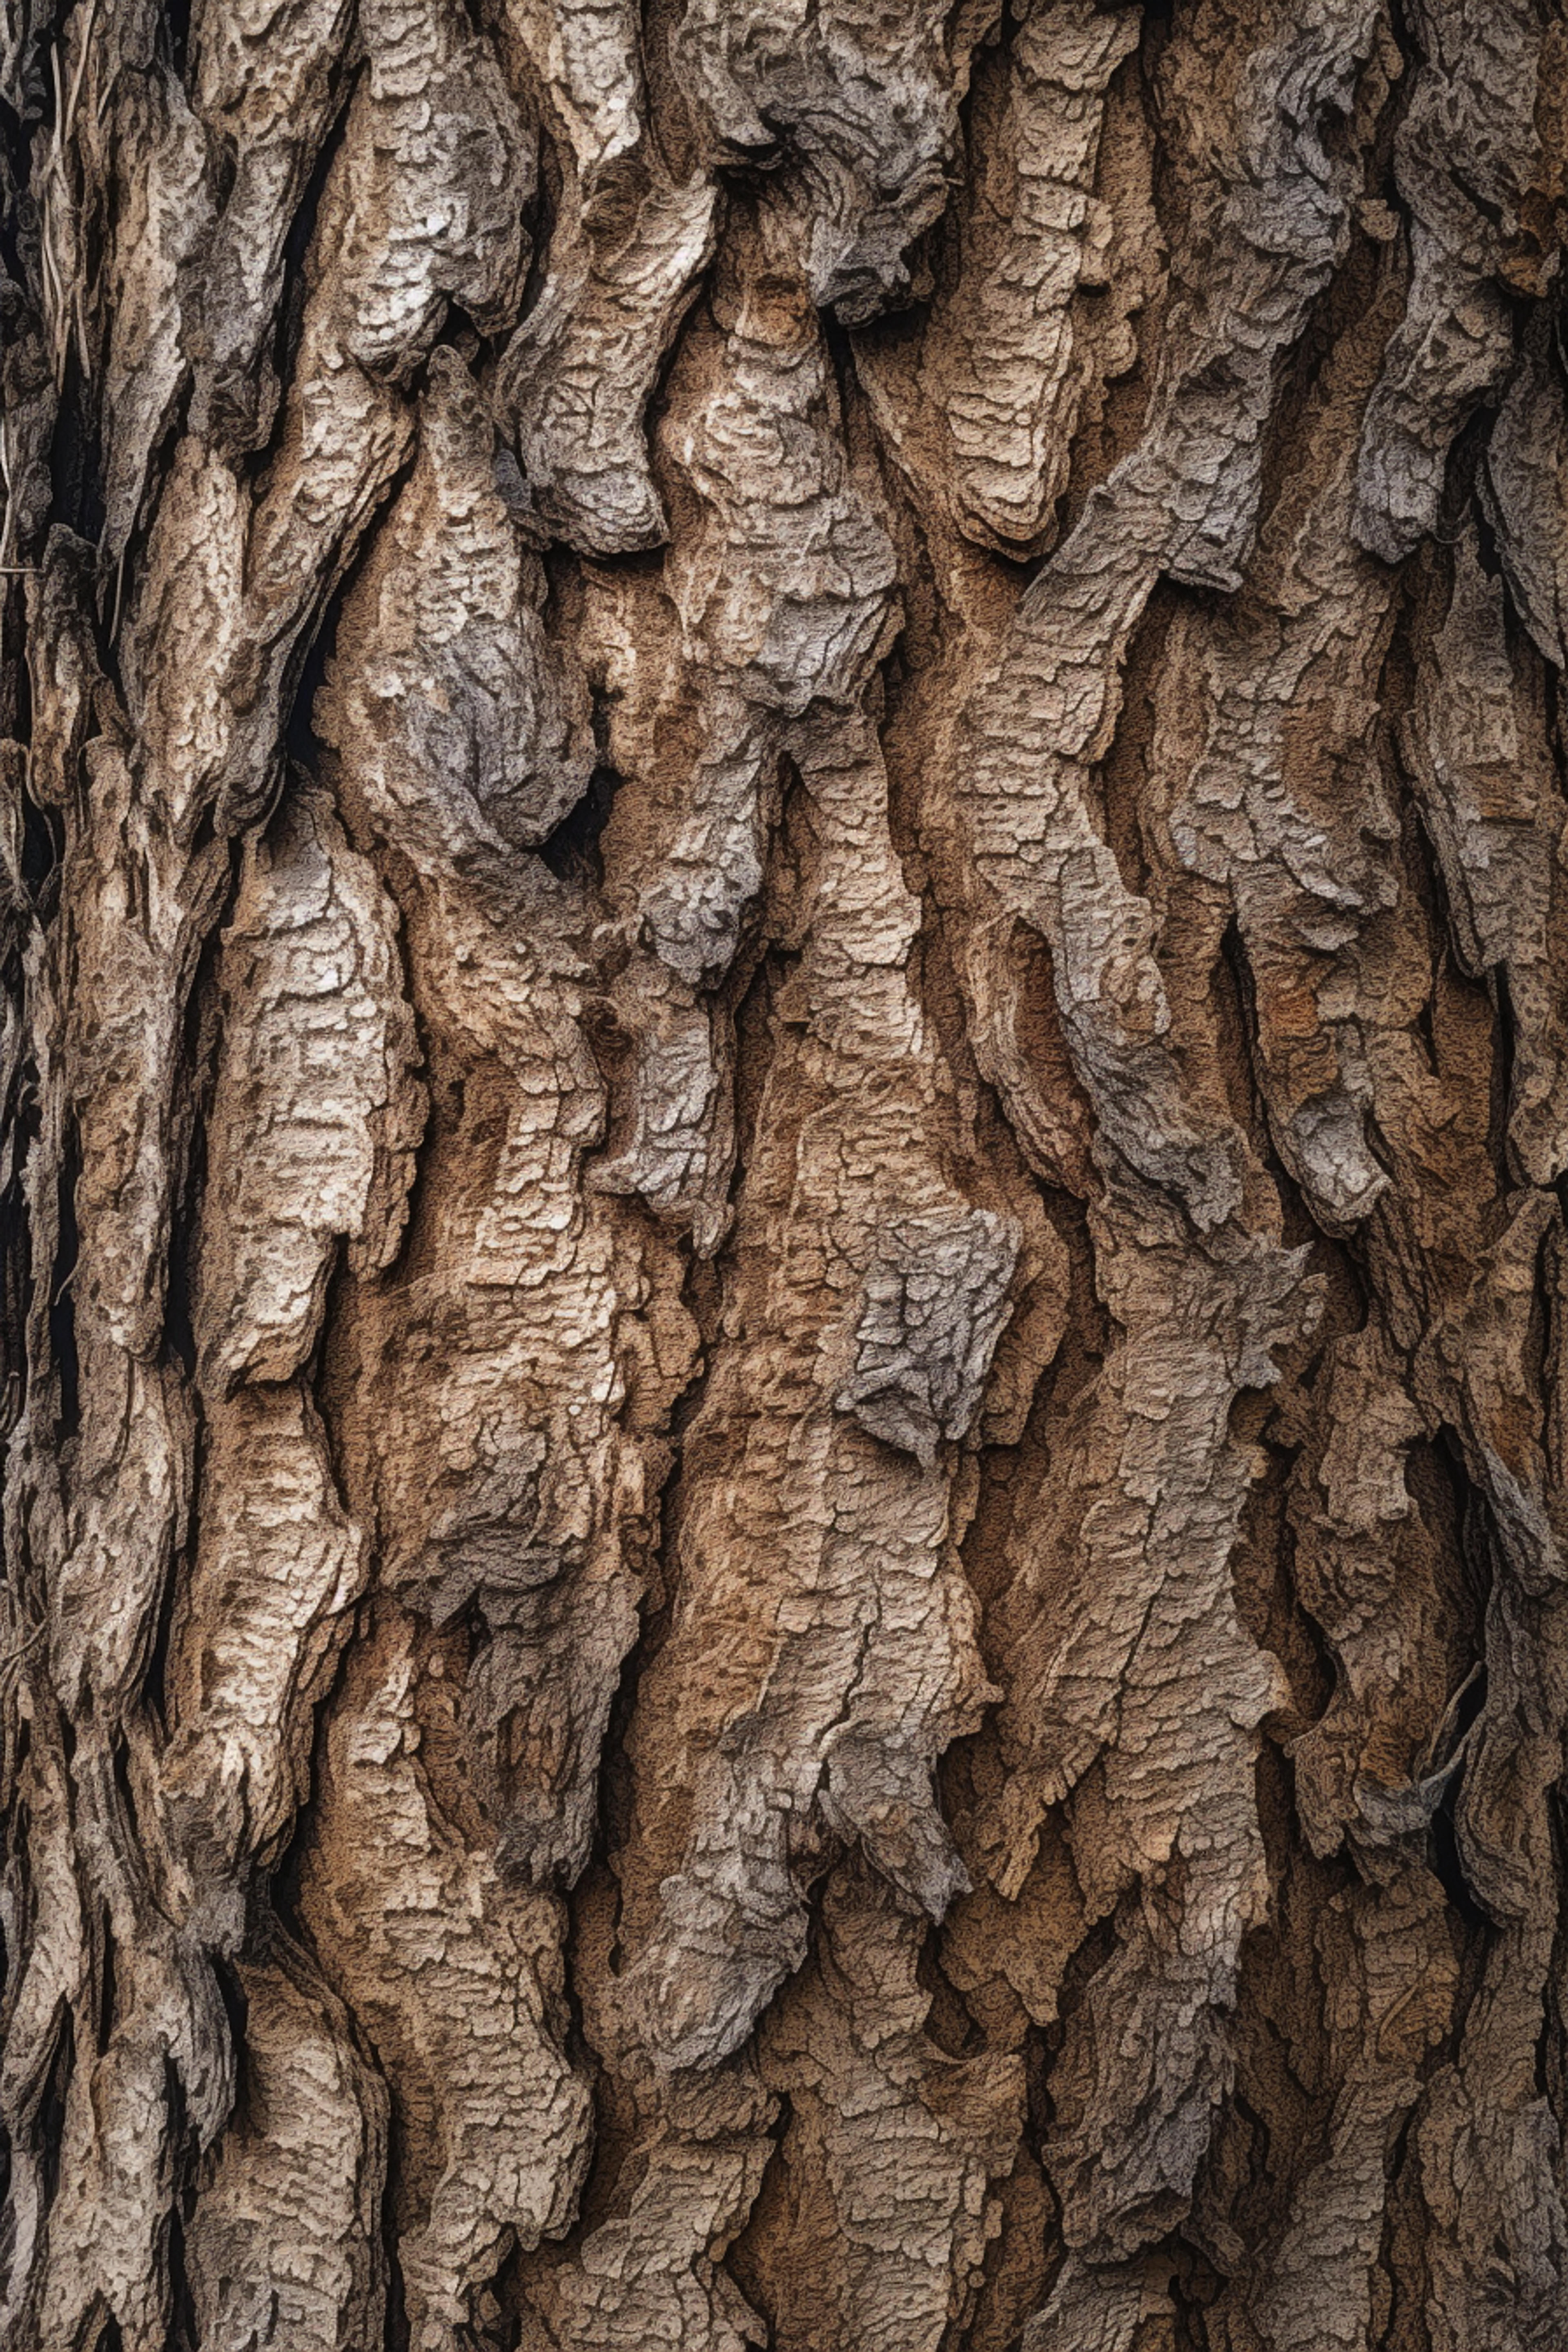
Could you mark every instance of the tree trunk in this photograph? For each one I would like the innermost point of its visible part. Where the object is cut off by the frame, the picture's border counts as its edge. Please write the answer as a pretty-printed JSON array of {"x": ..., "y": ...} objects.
[{"x": 787, "y": 1063}]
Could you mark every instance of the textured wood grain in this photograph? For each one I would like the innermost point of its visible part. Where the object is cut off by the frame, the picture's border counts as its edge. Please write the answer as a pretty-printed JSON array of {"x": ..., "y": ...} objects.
[{"x": 783, "y": 911}]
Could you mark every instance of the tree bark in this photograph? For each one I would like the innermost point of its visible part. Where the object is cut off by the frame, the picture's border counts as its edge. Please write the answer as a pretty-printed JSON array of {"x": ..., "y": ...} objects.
[{"x": 785, "y": 1062}]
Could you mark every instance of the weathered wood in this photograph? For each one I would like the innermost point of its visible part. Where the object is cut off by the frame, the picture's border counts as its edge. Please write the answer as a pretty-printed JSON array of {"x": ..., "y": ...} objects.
[{"x": 785, "y": 1061}]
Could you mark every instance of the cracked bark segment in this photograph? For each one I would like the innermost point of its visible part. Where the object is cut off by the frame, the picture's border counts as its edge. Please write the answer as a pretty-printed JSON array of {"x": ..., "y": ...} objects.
[
  {"x": 138, "y": 134},
  {"x": 623, "y": 261},
  {"x": 94, "y": 1491},
  {"x": 1477, "y": 749},
  {"x": 627, "y": 247},
  {"x": 123, "y": 949},
  {"x": 1165, "y": 2049},
  {"x": 1367, "y": 1574},
  {"x": 470, "y": 730},
  {"x": 842, "y": 1683},
  {"x": 147, "y": 2032},
  {"x": 1165, "y": 1829},
  {"x": 781, "y": 592},
  {"x": 863, "y": 97},
  {"x": 1008, "y": 358},
  {"x": 1041, "y": 717},
  {"x": 1477, "y": 1367},
  {"x": 257, "y": 1628},
  {"x": 227, "y": 587},
  {"x": 1488, "y": 2140},
  {"x": 268, "y": 77},
  {"x": 1526, "y": 487},
  {"x": 316, "y": 1114},
  {"x": 503, "y": 1480},
  {"x": 47, "y": 1977},
  {"x": 63, "y": 673},
  {"x": 438, "y": 169},
  {"x": 891, "y": 2143},
  {"x": 584, "y": 56},
  {"x": 187, "y": 752},
  {"x": 727, "y": 1924},
  {"x": 1020, "y": 777},
  {"x": 284, "y": 2247},
  {"x": 149, "y": 873},
  {"x": 456, "y": 1980},
  {"x": 1009, "y": 1955},
  {"x": 28, "y": 404},
  {"x": 1268, "y": 719},
  {"x": 1325, "y": 899},
  {"x": 494, "y": 1388},
  {"x": 1111, "y": 2307},
  {"x": 1495, "y": 1405},
  {"x": 133, "y": 195},
  {"x": 184, "y": 626},
  {"x": 1468, "y": 160},
  {"x": 936, "y": 1298},
  {"x": 1387, "y": 1957},
  {"x": 780, "y": 597},
  {"x": 651, "y": 2270},
  {"x": 1489, "y": 2149},
  {"x": 1261, "y": 243},
  {"x": 105, "y": 1543},
  {"x": 421, "y": 209},
  {"x": 678, "y": 1156},
  {"x": 1137, "y": 1692},
  {"x": 1186, "y": 2057},
  {"x": 119, "y": 1530},
  {"x": 313, "y": 1117},
  {"x": 108, "y": 2220}
]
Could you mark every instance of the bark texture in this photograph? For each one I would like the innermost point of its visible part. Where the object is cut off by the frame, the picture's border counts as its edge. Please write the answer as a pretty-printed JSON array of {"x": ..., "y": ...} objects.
[{"x": 784, "y": 916}]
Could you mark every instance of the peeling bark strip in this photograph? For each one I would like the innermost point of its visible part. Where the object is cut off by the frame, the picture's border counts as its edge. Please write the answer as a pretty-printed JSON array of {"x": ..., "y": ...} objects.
[{"x": 785, "y": 904}]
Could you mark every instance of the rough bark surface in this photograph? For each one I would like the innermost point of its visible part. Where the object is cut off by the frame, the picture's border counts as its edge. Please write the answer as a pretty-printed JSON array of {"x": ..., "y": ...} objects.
[{"x": 784, "y": 936}]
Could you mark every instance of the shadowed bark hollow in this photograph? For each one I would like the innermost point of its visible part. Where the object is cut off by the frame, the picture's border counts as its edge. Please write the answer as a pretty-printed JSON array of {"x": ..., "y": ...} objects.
[{"x": 784, "y": 1054}]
